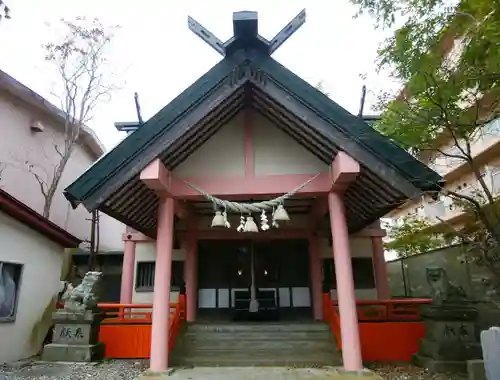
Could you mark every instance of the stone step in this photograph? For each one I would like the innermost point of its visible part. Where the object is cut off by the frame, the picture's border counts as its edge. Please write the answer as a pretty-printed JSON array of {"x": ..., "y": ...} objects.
[
  {"x": 258, "y": 327},
  {"x": 231, "y": 358},
  {"x": 282, "y": 335},
  {"x": 259, "y": 345}
]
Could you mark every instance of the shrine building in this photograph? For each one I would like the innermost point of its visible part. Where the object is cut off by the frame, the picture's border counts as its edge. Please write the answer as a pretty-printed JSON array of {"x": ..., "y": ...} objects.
[{"x": 255, "y": 190}]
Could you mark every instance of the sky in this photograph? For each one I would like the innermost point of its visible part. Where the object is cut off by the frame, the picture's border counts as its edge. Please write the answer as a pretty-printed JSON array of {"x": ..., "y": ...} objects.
[{"x": 155, "y": 54}]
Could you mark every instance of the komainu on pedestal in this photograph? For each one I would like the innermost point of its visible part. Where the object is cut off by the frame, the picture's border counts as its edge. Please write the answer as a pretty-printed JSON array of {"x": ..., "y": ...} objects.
[
  {"x": 450, "y": 320},
  {"x": 76, "y": 331}
]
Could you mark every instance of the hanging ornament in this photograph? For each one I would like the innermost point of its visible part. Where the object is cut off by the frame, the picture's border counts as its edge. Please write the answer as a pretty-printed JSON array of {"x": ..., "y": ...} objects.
[
  {"x": 281, "y": 215},
  {"x": 264, "y": 226},
  {"x": 250, "y": 225},
  {"x": 275, "y": 224},
  {"x": 241, "y": 227},
  {"x": 218, "y": 220}
]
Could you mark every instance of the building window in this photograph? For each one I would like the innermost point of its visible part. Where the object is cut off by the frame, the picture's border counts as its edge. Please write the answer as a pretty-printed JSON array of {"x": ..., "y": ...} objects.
[
  {"x": 362, "y": 268},
  {"x": 145, "y": 275},
  {"x": 495, "y": 180},
  {"x": 10, "y": 280}
]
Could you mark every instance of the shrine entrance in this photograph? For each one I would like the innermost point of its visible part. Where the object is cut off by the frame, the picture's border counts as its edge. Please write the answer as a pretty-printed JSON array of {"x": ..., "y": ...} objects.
[{"x": 254, "y": 280}]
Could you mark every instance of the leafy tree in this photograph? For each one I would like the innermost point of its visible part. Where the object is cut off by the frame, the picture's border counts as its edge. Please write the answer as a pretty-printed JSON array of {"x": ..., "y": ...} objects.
[
  {"x": 446, "y": 54},
  {"x": 412, "y": 236}
]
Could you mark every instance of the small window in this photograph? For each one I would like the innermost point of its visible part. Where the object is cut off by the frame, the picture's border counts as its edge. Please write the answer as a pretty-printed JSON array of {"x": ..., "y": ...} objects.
[
  {"x": 10, "y": 280},
  {"x": 145, "y": 275},
  {"x": 362, "y": 268}
]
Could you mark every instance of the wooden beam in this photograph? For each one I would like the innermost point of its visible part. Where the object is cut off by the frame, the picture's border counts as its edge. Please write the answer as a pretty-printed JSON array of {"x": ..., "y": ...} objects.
[
  {"x": 136, "y": 236},
  {"x": 344, "y": 169},
  {"x": 232, "y": 234},
  {"x": 248, "y": 143},
  {"x": 244, "y": 187},
  {"x": 159, "y": 179}
]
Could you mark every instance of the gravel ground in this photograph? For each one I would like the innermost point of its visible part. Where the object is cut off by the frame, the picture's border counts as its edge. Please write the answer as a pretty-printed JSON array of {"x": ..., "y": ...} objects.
[
  {"x": 410, "y": 372},
  {"x": 130, "y": 370},
  {"x": 106, "y": 370}
]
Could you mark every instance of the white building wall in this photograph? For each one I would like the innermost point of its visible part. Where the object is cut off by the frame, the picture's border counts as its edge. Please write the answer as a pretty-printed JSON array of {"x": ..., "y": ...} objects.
[
  {"x": 42, "y": 260},
  {"x": 19, "y": 144}
]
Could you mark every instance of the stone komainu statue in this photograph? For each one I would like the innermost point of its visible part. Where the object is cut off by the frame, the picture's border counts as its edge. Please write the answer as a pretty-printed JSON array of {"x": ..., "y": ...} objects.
[
  {"x": 84, "y": 296},
  {"x": 443, "y": 291}
]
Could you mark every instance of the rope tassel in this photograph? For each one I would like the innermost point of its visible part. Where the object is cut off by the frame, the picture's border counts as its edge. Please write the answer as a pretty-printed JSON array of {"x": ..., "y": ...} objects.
[{"x": 275, "y": 204}]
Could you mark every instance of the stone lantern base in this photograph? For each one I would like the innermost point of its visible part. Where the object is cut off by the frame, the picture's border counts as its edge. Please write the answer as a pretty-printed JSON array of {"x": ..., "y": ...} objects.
[
  {"x": 75, "y": 338},
  {"x": 451, "y": 338}
]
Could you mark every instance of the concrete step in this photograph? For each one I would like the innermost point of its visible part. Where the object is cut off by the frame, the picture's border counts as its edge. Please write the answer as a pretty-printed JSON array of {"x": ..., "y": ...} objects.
[
  {"x": 258, "y": 327},
  {"x": 257, "y": 344},
  {"x": 231, "y": 358},
  {"x": 257, "y": 335},
  {"x": 268, "y": 345}
]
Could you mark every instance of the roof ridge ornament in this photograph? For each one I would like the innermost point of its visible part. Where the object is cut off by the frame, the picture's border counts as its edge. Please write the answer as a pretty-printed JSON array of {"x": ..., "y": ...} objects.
[{"x": 245, "y": 30}]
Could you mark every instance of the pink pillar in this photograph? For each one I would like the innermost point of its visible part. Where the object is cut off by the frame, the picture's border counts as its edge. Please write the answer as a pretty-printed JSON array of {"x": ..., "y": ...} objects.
[
  {"x": 351, "y": 347},
  {"x": 161, "y": 297},
  {"x": 190, "y": 277},
  {"x": 380, "y": 269},
  {"x": 127, "y": 285},
  {"x": 316, "y": 277}
]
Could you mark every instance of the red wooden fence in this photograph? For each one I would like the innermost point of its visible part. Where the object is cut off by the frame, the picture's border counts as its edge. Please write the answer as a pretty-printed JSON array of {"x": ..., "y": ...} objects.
[
  {"x": 389, "y": 329},
  {"x": 126, "y": 329}
]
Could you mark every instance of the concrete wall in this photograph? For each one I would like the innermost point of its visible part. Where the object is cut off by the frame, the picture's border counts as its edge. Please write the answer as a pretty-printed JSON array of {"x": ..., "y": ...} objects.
[
  {"x": 42, "y": 261},
  {"x": 19, "y": 144},
  {"x": 274, "y": 152}
]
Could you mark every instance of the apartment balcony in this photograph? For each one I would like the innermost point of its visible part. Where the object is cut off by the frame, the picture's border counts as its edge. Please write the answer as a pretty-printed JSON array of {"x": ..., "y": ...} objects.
[
  {"x": 435, "y": 211},
  {"x": 485, "y": 147},
  {"x": 495, "y": 182}
]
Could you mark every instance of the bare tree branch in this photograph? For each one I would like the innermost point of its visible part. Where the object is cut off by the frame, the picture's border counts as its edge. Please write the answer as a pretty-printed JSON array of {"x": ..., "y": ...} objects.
[{"x": 79, "y": 58}]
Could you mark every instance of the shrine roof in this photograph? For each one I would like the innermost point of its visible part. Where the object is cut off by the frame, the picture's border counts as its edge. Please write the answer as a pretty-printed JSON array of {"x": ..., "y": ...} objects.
[{"x": 249, "y": 76}]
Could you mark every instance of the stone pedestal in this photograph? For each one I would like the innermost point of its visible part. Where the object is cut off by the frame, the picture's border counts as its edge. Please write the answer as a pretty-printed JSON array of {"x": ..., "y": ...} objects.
[
  {"x": 75, "y": 338},
  {"x": 451, "y": 338}
]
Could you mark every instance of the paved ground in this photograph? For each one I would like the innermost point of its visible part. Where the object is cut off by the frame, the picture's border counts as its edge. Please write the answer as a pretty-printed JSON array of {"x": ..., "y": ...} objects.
[
  {"x": 107, "y": 370},
  {"x": 130, "y": 370},
  {"x": 259, "y": 373}
]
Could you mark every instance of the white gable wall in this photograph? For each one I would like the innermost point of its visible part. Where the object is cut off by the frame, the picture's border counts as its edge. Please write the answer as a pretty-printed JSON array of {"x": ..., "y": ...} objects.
[{"x": 274, "y": 152}]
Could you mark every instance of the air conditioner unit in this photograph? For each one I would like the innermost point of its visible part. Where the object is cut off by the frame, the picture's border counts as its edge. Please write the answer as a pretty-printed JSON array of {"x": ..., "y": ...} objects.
[{"x": 37, "y": 126}]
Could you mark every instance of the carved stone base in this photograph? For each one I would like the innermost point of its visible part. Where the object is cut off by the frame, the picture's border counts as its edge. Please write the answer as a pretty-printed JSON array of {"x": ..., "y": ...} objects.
[
  {"x": 75, "y": 338},
  {"x": 439, "y": 366},
  {"x": 450, "y": 350},
  {"x": 451, "y": 338},
  {"x": 56, "y": 352}
]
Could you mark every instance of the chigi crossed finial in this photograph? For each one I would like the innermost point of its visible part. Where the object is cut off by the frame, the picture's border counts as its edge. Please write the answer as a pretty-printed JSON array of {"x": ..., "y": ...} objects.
[{"x": 245, "y": 27}]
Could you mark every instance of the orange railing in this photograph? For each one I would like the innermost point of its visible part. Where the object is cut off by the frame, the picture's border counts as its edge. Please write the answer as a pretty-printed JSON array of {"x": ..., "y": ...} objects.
[
  {"x": 126, "y": 328},
  {"x": 397, "y": 321}
]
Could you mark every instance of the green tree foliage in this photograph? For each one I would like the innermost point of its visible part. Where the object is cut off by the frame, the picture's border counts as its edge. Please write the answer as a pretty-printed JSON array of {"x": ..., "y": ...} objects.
[
  {"x": 447, "y": 56},
  {"x": 411, "y": 236}
]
